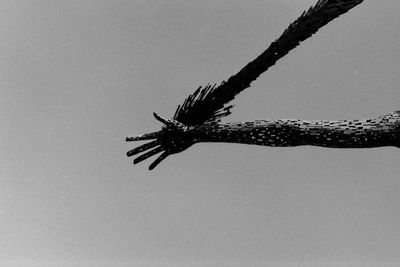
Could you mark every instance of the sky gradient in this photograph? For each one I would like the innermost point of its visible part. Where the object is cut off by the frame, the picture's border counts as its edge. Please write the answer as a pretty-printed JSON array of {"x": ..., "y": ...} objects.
[{"x": 77, "y": 77}]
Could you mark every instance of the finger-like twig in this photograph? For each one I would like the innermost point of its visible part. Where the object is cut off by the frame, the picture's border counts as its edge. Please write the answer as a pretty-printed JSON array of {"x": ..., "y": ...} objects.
[
  {"x": 171, "y": 123},
  {"x": 148, "y": 154},
  {"x": 142, "y": 148},
  {"x": 143, "y": 137},
  {"x": 158, "y": 160},
  {"x": 166, "y": 121}
]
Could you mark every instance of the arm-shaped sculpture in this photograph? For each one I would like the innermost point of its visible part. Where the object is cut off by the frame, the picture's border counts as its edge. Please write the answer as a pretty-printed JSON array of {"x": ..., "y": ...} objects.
[
  {"x": 197, "y": 119},
  {"x": 209, "y": 103},
  {"x": 175, "y": 137}
]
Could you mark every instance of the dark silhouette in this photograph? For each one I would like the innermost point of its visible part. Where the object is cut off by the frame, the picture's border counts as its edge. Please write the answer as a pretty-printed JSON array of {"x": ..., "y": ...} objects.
[{"x": 198, "y": 119}]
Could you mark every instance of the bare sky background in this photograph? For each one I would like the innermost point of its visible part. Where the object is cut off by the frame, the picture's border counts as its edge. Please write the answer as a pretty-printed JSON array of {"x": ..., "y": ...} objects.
[{"x": 76, "y": 77}]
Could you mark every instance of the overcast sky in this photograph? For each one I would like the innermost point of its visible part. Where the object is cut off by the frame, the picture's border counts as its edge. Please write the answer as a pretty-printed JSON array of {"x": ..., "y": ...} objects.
[{"x": 77, "y": 77}]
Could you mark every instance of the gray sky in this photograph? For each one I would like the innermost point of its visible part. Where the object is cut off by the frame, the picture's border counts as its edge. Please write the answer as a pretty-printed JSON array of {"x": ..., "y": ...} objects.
[{"x": 76, "y": 77}]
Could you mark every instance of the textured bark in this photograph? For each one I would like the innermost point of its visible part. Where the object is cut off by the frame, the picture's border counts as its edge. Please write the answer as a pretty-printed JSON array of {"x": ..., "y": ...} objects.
[{"x": 381, "y": 131}]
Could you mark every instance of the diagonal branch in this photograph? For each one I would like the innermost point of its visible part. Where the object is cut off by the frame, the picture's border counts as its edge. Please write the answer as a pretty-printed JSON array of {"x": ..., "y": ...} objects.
[{"x": 209, "y": 103}]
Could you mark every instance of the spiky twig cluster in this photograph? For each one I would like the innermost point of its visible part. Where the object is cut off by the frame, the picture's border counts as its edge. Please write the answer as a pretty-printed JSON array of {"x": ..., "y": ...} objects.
[{"x": 200, "y": 107}]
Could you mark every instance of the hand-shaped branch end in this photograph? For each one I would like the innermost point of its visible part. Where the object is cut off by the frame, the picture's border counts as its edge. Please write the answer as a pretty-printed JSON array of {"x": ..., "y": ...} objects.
[{"x": 173, "y": 138}]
